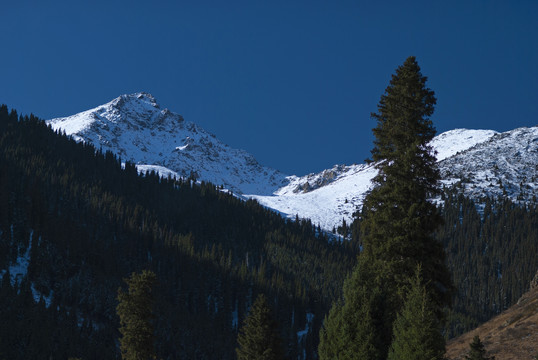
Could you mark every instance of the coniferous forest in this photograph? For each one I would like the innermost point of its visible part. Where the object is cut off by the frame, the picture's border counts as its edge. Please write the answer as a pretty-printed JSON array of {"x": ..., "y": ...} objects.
[
  {"x": 85, "y": 224},
  {"x": 79, "y": 222},
  {"x": 383, "y": 312}
]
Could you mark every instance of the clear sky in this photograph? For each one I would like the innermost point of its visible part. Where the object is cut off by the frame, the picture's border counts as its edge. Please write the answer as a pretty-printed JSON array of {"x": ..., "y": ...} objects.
[{"x": 292, "y": 82}]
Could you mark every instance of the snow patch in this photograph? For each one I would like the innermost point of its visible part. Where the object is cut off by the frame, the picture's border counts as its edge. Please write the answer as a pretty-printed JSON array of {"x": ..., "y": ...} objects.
[
  {"x": 19, "y": 268},
  {"x": 160, "y": 170},
  {"x": 38, "y": 296},
  {"x": 327, "y": 205},
  {"x": 452, "y": 142},
  {"x": 235, "y": 316},
  {"x": 301, "y": 335}
]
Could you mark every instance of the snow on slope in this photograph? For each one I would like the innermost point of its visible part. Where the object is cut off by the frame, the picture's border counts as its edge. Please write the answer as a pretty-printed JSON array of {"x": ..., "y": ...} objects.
[
  {"x": 469, "y": 155},
  {"x": 326, "y": 205},
  {"x": 161, "y": 170},
  {"x": 452, "y": 142},
  {"x": 134, "y": 127},
  {"x": 504, "y": 165}
]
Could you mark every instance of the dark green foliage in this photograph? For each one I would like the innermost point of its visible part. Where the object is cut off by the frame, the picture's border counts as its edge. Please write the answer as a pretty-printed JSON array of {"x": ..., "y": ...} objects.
[
  {"x": 398, "y": 221},
  {"x": 258, "y": 338},
  {"x": 397, "y": 224},
  {"x": 492, "y": 256},
  {"x": 353, "y": 329},
  {"x": 31, "y": 330},
  {"x": 135, "y": 310},
  {"x": 416, "y": 330},
  {"x": 478, "y": 351},
  {"x": 93, "y": 222}
]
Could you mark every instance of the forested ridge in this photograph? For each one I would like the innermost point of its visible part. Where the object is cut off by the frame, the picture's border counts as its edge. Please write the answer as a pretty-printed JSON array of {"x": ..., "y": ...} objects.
[
  {"x": 91, "y": 222},
  {"x": 491, "y": 251},
  {"x": 492, "y": 255}
]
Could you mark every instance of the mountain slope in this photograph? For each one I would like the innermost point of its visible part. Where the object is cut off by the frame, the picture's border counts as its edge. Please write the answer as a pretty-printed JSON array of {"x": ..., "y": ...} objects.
[
  {"x": 504, "y": 165},
  {"x": 510, "y": 335},
  {"x": 135, "y": 128},
  {"x": 73, "y": 223},
  {"x": 477, "y": 162}
]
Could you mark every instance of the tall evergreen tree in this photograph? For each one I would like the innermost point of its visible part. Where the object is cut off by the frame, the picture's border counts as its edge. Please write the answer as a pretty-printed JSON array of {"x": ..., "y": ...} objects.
[
  {"x": 136, "y": 315},
  {"x": 417, "y": 331},
  {"x": 478, "y": 351},
  {"x": 397, "y": 221},
  {"x": 258, "y": 338}
]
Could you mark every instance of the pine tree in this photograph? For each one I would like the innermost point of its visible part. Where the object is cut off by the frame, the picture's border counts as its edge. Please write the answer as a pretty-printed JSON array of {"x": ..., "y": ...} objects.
[
  {"x": 136, "y": 315},
  {"x": 398, "y": 221},
  {"x": 396, "y": 224},
  {"x": 258, "y": 338},
  {"x": 416, "y": 330},
  {"x": 478, "y": 351},
  {"x": 351, "y": 331}
]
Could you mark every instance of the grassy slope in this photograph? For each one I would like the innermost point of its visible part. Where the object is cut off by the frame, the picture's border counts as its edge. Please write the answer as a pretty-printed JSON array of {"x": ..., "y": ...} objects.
[{"x": 511, "y": 335}]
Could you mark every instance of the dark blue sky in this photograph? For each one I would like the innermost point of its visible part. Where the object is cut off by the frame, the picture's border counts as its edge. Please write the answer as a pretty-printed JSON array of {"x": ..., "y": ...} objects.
[{"x": 292, "y": 82}]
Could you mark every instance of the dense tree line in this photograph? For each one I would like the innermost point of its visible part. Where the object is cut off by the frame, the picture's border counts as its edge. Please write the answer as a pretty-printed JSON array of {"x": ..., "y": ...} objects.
[
  {"x": 397, "y": 225},
  {"x": 135, "y": 310},
  {"x": 400, "y": 230},
  {"x": 491, "y": 252},
  {"x": 258, "y": 337},
  {"x": 490, "y": 247},
  {"x": 86, "y": 222}
]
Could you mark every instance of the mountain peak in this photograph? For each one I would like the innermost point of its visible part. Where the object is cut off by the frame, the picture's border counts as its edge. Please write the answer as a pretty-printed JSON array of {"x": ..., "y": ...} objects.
[
  {"x": 137, "y": 129},
  {"x": 479, "y": 162},
  {"x": 137, "y": 98}
]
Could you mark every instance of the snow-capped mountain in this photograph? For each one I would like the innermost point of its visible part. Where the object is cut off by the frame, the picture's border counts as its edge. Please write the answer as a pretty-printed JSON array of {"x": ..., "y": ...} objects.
[
  {"x": 138, "y": 130},
  {"x": 478, "y": 162},
  {"x": 506, "y": 164}
]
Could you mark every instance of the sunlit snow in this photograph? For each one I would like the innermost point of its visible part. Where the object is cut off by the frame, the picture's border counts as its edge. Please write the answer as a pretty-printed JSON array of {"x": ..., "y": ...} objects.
[
  {"x": 329, "y": 204},
  {"x": 454, "y": 141},
  {"x": 138, "y": 130},
  {"x": 135, "y": 128}
]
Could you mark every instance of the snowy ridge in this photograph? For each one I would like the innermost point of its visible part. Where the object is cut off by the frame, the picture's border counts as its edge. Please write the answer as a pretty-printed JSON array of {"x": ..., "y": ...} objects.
[
  {"x": 504, "y": 165},
  {"x": 454, "y": 141},
  {"x": 135, "y": 128},
  {"x": 478, "y": 162},
  {"x": 326, "y": 205}
]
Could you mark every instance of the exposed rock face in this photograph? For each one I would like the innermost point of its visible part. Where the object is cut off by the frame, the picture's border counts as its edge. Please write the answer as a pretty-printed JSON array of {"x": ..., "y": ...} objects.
[
  {"x": 505, "y": 165},
  {"x": 315, "y": 181}
]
